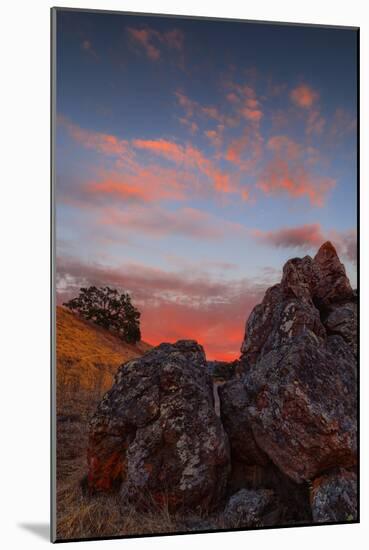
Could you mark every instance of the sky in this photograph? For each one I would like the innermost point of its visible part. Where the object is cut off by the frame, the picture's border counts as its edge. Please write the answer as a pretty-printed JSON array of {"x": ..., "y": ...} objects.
[{"x": 194, "y": 158}]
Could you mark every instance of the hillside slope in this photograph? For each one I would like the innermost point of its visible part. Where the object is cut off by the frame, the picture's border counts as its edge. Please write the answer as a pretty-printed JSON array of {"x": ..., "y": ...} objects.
[{"x": 87, "y": 355}]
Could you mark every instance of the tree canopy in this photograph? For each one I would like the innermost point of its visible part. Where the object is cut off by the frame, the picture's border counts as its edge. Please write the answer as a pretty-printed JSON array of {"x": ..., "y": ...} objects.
[{"x": 110, "y": 309}]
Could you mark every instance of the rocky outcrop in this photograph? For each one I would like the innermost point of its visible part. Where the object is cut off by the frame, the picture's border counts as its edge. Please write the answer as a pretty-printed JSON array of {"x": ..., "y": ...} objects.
[
  {"x": 310, "y": 291},
  {"x": 302, "y": 406},
  {"x": 284, "y": 447},
  {"x": 295, "y": 402},
  {"x": 250, "y": 508},
  {"x": 334, "y": 497},
  {"x": 155, "y": 435}
]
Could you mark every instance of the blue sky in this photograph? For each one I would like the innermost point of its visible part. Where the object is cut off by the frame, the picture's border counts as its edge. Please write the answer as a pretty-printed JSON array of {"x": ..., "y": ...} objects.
[{"x": 195, "y": 157}]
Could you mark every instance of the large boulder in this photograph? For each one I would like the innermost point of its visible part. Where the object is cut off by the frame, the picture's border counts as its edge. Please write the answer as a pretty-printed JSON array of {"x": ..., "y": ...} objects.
[
  {"x": 297, "y": 393},
  {"x": 155, "y": 435},
  {"x": 334, "y": 497},
  {"x": 302, "y": 406}
]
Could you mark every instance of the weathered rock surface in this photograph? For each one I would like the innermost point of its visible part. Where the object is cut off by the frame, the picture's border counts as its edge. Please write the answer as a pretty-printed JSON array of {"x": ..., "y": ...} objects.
[
  {"x": 334, "y": 497},
  {"x": 310, "y": 290},
  {"x": 236, "y": 421},
  {"x": 302, "y": 406},
  {"x": 155, "y": 434},
  {"x": 341, "y": 319},
  {"x": 250, "y": 508},
  {"x": 330, "y": 284},
  {"x": 297, "y": 393}
]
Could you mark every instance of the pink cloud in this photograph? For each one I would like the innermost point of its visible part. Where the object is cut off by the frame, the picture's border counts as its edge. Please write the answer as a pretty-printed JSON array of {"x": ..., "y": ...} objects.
[
  {"x": 117, "y": 188},
  {"x": 205, "y": 112},
  {"x": 252, "y": 114},
  {"x": 287, "y": 173},
  {"x": 246, "y": 150},
  {"x": 215, "y": 136},
  {"x": 144, "y": 37},
  {"x": 188, "y": 156},
  {"x": 150, "y": 183},
  {"x": 162, "y": 147},
  {"x": 191, "y": 125},
  {"x": 245, "y": 101},
  {"x": 106, "y": 144},
  {"x": 236, "y": 147},
  {"x": 212, "y": 112},
  {"x": 283, "y": 145},
  {"x": 188, "y": 104},
  {"x": 309, "y": 235},
  {"x": 150, "y": 40},
  {"x": 233, "y": 98},
  {"x": 303, "y": 96},
  {"x": 158, "y": 222}
]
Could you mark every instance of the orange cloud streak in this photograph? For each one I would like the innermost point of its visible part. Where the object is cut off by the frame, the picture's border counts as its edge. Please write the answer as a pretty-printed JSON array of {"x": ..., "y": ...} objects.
[
  {"x": 189, "y": 156},
  {"x": 287, "y": 173}
]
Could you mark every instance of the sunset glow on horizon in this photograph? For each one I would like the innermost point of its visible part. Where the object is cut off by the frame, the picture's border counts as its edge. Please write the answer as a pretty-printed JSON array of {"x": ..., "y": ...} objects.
[{"x": 195, "y": 157}]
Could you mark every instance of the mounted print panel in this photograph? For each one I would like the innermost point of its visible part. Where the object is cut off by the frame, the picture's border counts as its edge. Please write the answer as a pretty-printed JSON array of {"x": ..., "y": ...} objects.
[{"x": 205, "y": 192}]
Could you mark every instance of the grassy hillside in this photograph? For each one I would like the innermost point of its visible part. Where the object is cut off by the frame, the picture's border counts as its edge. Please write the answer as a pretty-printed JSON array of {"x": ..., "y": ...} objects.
[
  {"x": 87, "y": 359},
  {"x": 87, "y": 355}
]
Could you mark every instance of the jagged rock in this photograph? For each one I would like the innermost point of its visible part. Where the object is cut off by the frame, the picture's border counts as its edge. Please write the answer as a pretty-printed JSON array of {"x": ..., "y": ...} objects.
[
  {"x": 309, "y": 291},
  {"x": 330, "y": 283},
  {"x": 155, "y": 434},
  {"x": 250, "y": 508},
  {"x": 302, "y": 405},
  {"x": 298, "y": 387},
  {"x": 334, "y": 497}
]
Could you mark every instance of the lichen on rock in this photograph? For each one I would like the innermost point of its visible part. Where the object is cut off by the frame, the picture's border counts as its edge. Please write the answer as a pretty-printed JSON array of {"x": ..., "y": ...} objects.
[{"x": 155, "y": 435}]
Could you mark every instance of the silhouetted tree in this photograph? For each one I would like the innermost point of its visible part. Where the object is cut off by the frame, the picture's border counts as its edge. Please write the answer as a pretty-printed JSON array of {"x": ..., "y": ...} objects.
[{"x": 110, "y": 309}]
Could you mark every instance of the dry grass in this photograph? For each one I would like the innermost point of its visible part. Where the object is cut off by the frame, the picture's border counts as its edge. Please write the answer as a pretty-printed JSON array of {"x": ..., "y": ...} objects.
[
  {"x": 80, "y": 516},
  {"x": 87, "y": 355},
  {"x": 104, "y": 516},
  {"x": 87, "y": 359}
]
